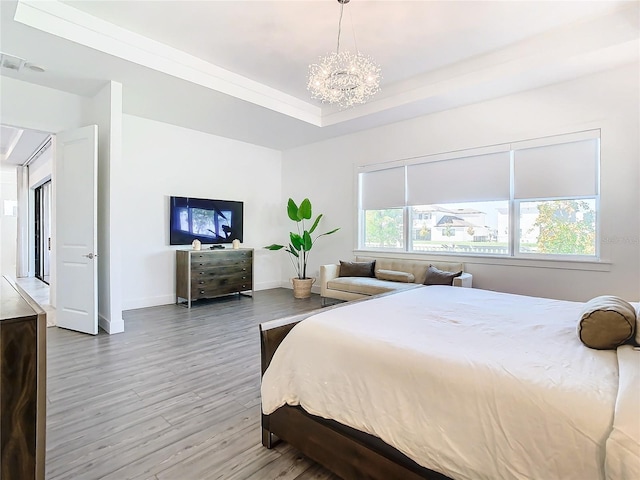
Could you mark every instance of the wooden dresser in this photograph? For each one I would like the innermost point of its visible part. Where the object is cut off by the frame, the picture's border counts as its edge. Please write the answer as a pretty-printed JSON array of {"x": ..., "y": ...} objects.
[
  {"x": 210, "y": 273},
  {"x": 23, "y": 380}
]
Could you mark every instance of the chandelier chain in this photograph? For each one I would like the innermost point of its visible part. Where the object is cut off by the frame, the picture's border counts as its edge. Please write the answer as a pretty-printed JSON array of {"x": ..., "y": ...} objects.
[
  {"x": 339, "y": 27},
  {"x": 353, "y": 30}
]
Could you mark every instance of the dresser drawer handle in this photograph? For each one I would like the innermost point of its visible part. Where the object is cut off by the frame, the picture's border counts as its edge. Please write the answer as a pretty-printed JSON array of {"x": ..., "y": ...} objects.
[{"x": 202, "y": 292}]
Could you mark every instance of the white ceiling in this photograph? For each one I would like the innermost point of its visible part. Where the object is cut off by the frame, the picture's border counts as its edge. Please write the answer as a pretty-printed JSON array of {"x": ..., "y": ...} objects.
[{"x": 238, "y": 68}]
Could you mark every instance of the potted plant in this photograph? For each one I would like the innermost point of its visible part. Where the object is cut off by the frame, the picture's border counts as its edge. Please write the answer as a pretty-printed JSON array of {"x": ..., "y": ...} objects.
[{"x": 300, "y": 244}]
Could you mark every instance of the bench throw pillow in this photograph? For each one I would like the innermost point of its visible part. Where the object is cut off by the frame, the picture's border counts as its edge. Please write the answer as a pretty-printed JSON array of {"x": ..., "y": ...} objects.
[
  {"x": 357, "y": 269},
  {"x": 395, "y": 276},
  {"x": 435, "y": 276},
  {"x": 606, "y": 322}
]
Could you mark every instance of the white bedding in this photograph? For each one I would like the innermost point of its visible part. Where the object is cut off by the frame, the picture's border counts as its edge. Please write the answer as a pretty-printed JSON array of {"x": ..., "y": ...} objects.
[{"x": 467, "y": 382}]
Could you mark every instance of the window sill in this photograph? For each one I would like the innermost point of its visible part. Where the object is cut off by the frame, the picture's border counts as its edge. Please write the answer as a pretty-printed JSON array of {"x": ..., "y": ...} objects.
[{"x": 564, "y": 264}]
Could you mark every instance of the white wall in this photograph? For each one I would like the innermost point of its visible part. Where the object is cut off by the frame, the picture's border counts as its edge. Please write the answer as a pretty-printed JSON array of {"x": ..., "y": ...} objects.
[
  {"x": 106, "y": 112},
  {"x": 8, "y": 223},
  {"x": 40, "y": 170},
  {"x": 325, "y": 172},
  {"x": 160, "y": 160}
]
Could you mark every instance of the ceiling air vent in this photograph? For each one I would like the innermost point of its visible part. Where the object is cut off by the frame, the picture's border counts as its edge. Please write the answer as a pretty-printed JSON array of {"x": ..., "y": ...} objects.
[{"x": 11, "y": 62}]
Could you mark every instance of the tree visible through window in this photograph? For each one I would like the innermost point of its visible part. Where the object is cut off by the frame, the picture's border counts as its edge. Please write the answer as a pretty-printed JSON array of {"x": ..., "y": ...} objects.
[
  {"x": 384, "y": 228},
  {"x": 560, "y": 227}
]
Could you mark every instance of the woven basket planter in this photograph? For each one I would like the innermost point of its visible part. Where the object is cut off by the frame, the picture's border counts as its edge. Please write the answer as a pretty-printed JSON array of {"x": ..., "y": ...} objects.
[{"x": 302, "y": 287}]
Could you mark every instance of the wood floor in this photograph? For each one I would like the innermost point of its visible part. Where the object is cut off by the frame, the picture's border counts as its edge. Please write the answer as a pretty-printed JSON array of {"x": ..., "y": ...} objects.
[{"x": 175, "y": 397}]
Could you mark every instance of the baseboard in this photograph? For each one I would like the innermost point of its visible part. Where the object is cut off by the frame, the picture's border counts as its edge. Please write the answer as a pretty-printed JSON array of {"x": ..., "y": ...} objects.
[
  {"x": 145, "y": 302},
  {"x": 111, "y": 326},
  {"x": 266, "y": 285}
]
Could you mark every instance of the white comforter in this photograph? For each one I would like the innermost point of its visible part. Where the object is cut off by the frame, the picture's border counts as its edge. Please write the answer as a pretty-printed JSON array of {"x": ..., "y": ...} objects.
[{"x": 467, "y": 382}]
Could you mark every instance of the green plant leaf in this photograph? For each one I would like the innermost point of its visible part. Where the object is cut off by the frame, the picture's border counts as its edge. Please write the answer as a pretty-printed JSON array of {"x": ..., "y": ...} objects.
[
  {"x": 292, "y": 251},
  {"x": 304, "y": 212},
  {"x": 296, "y": 241},
  {"x": 307, "y": 243},
  {"x": 315, "y": 224},
  {"x": 274, "y": 247},
  {"x": 292, "y": 210}
]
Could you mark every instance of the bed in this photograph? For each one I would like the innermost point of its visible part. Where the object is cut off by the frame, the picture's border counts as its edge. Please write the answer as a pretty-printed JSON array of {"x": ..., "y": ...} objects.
[{"x": 440, "y": 382}]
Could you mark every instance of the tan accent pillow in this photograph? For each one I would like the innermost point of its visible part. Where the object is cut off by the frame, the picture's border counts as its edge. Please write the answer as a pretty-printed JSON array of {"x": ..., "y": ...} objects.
[
  {"x": 357, "y": 269},
  {"x": 435, "y": 276},
  {"x": 395, "y": 276},
  {"x": 606, "y": 322}
]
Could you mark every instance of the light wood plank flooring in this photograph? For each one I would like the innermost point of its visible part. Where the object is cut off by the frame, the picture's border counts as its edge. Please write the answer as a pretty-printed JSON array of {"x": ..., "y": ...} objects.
[{"x": 175, "y": 397}]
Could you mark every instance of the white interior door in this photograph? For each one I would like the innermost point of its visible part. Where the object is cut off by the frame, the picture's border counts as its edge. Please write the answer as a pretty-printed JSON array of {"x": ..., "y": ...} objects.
[{"x": 76, "y": 182}]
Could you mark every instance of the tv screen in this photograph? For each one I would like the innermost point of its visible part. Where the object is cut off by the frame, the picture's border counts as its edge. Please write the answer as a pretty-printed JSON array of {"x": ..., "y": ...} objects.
[{"x": 210, "y": 221}]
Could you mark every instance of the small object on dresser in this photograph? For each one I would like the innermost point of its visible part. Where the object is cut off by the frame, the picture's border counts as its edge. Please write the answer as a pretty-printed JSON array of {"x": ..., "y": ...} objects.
[
  {"x": 196, "y": 244},
  {"x": 236, "y": 244}
]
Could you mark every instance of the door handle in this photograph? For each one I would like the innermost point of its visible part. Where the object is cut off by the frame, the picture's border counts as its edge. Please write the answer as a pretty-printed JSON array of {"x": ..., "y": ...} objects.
[{"x": 90, "y": 256}]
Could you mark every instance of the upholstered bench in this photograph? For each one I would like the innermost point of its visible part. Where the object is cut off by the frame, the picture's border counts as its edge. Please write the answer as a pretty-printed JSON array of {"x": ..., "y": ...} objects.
[{"x": 386, "y": 275}]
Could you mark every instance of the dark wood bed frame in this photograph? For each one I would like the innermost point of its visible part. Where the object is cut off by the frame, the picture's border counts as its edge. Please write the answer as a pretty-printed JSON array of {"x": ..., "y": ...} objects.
[{"x": 347, "y": 452}]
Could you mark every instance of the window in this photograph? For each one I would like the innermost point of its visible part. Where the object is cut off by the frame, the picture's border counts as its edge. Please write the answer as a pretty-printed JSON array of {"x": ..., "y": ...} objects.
[
  {"x": 382, "y": 195},
  {"x": 535, "y": 198}
]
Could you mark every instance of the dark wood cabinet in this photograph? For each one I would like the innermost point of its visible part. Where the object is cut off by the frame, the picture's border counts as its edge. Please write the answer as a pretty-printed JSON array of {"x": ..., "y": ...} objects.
[
  {"x": 23, "y": 381},
  {"x": 210, "y": 273}
]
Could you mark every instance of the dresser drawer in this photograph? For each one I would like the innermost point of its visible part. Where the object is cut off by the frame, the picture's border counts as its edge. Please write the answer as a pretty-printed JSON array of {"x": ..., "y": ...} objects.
[
  {"x": 217, "y": 268},
  {"x": 220, "y": 286},
  {"x": 207, "y": 259}
]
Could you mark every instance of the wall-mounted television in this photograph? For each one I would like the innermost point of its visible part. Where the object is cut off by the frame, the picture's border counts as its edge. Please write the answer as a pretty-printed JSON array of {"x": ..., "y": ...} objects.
[{"x": 210, "y": 221}]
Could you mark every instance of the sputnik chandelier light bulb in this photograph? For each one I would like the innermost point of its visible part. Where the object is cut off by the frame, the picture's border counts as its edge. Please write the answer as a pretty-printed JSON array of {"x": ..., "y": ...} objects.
[{"x": 342, "y": 78}]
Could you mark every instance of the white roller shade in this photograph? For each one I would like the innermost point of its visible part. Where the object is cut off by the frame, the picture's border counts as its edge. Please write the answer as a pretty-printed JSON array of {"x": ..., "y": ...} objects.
[
  {"x": 561, "y": 170},
  {"x": 467, "y": 179},
  {"x": 382, "y": 189}
]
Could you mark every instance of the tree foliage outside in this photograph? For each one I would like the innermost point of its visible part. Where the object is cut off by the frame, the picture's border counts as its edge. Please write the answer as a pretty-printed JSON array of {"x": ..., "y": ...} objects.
[
  {"x": 566, "y": 227},
  {"x": 424, "y": 233},
  {"x": 384, "y": 228}
]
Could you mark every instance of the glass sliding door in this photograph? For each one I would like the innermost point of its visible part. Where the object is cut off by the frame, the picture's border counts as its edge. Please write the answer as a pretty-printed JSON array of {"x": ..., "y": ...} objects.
[{"x": 42, "y": 230}]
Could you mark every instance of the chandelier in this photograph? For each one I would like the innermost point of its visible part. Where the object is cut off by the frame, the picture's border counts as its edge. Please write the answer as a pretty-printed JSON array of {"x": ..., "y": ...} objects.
[{"x": 342, "y": 78}]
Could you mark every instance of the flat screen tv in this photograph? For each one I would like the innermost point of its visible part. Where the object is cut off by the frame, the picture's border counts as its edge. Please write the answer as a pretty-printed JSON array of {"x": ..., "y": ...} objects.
[{"x": 210, "y": 221}]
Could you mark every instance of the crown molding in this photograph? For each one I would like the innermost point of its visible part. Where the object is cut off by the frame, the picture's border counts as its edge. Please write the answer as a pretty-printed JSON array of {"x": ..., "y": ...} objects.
[{"x": 64, "y": 21}]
